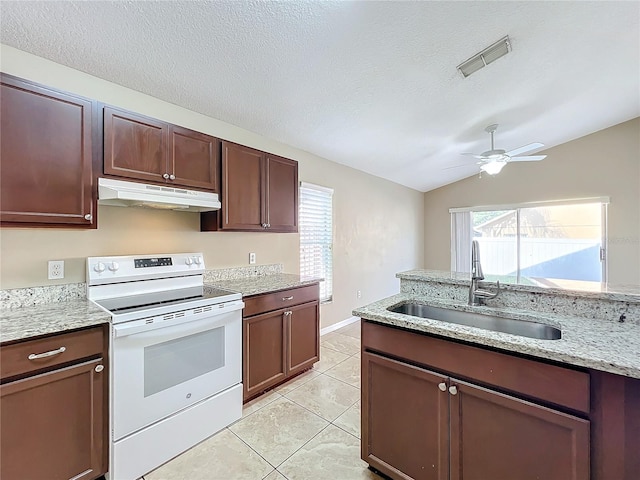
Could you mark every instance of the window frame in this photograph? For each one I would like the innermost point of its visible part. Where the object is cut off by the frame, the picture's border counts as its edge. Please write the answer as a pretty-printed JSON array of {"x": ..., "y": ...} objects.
[{"x": 458, "y": 258}]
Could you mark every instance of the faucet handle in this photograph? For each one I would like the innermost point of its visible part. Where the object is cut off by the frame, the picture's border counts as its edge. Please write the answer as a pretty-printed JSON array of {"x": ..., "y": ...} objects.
[{"x": 488, "y": 295}]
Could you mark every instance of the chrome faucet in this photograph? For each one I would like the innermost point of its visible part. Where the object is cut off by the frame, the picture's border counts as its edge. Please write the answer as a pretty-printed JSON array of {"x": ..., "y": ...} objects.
[{"x": 477, "y": 296}]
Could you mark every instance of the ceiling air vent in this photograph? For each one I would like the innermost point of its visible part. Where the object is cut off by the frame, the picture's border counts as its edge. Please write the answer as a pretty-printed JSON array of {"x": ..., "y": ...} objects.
[{"x": 485, "y": 57}]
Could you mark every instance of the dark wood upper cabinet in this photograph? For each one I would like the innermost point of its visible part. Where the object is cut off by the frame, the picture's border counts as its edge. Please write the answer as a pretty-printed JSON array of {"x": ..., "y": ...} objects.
[
  {"x": 135, "y": 146},
  {"x": 47, "y": 156},
  {"x": 194, "y": 158},
  {"x": 242, "y": 188},
  {"x": 142, "y": 148},
  {"x": 259, "y": 192},
  {"x": 281, "y": 196}
]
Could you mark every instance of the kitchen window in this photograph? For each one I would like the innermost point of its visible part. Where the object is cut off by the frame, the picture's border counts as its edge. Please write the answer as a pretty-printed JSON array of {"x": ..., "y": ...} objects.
[
  {"x": 563, "y": 240},
  {"x": 316, "y": 235}
]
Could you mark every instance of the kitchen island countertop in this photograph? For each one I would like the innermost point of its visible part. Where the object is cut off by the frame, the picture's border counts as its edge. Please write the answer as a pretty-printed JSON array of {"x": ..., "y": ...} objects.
[
  {"x": 602, "y": 345},
  {"x": 48, "y": 319},
  {"x": 256, "y": 285}
]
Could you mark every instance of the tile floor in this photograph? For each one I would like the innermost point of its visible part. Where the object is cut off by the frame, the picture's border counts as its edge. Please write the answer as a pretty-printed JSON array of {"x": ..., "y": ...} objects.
[{"x": 306, "y": 429}]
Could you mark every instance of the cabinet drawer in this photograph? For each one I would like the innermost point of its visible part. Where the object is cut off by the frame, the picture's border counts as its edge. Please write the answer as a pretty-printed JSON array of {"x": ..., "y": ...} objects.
[
  {"x": 537, "y": 380},
  {"x": 14, "y": 359},
  {"x": 282, "y": 299}
]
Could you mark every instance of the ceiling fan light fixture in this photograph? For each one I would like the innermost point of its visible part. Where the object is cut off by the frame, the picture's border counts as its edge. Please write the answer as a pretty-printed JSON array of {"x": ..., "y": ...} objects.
[{"x": 494, "y": 167}]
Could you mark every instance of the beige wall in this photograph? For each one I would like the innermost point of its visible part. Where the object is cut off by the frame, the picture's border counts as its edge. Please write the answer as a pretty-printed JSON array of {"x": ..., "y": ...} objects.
[
  {"x": 605, "y": 163},
  {"x": 378, "y": 225}
]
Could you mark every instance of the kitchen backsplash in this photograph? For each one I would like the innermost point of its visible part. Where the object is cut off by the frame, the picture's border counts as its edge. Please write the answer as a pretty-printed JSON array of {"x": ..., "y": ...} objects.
[
  {"x": 242, "y": 272},
  {"x": 592, "y": 305},
  {"x": 29, "y": 297}
]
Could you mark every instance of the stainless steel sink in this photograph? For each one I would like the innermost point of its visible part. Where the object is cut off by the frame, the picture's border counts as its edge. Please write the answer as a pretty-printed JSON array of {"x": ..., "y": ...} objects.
[{"x": 478, "y": 320}]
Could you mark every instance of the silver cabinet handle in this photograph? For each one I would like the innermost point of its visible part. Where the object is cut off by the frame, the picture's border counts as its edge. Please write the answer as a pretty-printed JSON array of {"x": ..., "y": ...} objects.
[
  {"x": 172, "y": 177},
  {"x": 36, "y": 356},
  {"x": 165, "y": 176},
  {"x": 453, "y": 390},
  {"x": 288, "y": 313},
  {"x": 99, "y": 368},
  {"x": 268, "y": 225},
  {"x": 442, "y": 386},
  {"x": 284, "y": 299},
  {"x": 264, "y": 225},
  {"x": 88, "y": 216}
]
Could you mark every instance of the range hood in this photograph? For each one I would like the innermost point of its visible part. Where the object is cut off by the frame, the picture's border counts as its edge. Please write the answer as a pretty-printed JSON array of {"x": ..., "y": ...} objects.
[{"x": 130, "y": 194}]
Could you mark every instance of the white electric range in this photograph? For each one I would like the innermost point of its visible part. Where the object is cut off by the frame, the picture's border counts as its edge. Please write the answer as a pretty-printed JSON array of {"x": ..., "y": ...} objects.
[{"x": 175, "y": 356}]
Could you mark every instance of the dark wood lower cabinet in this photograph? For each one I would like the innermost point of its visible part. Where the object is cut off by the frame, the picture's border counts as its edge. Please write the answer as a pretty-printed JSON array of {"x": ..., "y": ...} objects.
[
  {"x": 54, "y": 410},
  {"x": 427, "y": 425},
  {"x": 405, "y": 420},
  {"x": 496, "y": 436},
  {"x": 53, "y": 425},
  {"x": 281, "y": 337},
  {"x": 264, "y": 352},
  {"x": 303, "y": 348}
]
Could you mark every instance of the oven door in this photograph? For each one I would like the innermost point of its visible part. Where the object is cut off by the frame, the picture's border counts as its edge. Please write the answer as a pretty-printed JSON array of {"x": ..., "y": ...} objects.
[{"x": 161, "y": 366}]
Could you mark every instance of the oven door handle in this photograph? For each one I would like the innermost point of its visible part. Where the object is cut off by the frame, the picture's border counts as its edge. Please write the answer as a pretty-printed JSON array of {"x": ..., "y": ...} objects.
[{"x": 141, "y": 326}]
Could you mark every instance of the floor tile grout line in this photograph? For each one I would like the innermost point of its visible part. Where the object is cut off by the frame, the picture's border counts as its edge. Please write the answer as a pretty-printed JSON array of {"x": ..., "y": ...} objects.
[
  {"x": 258, "y": 409},
  {"x": 254, "y": 450},
  {"x": 302, "y": 446}
]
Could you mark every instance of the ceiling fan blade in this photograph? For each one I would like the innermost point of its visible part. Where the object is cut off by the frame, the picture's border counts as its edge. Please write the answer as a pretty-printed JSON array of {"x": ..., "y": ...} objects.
[
  {"x": 524, "y": 149},
  {"x": 472, "y": 155},
  {"x": 457, "y": 166},
  {"x": 530, "y": 158}
]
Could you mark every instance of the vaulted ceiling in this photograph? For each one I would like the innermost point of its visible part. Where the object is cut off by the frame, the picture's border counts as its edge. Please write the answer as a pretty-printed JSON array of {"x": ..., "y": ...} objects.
[{"x": 372, "y": 85}]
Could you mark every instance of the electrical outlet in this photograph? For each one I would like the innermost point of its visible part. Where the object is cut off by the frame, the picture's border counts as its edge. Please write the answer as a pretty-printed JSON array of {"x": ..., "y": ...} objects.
[
  {"x": 56, "y": 269},
  {"x": 252, "y": 258},
  {"x": 359, "y": 293}
]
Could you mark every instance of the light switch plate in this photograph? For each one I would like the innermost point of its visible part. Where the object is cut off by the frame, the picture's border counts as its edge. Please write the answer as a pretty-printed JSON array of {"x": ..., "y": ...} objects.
[{"x": 252, "y": 258}]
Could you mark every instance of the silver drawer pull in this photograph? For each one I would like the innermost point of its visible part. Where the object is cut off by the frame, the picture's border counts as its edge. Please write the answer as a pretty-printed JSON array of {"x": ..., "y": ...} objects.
[
  {"x": 36, "y": 356},
  {"x": 442, "y": 386},
  {"x": 284, "y": 299},
  {"x": 453, "y": 390},
  {"x": 99, "y": 368}
]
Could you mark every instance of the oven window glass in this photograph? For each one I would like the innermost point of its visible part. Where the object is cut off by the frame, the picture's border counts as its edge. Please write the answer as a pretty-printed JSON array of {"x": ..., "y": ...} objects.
[{"x": 176, "y": 361}]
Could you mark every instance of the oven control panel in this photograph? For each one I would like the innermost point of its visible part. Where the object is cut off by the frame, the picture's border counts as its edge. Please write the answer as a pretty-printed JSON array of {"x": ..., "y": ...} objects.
[
  {"x": 111, "y": 270},
  {"x": 152, "y": 262}
]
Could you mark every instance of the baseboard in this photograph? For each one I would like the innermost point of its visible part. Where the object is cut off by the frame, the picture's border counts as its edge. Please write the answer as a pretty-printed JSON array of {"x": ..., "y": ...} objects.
[{"x": 336, "y": 326}]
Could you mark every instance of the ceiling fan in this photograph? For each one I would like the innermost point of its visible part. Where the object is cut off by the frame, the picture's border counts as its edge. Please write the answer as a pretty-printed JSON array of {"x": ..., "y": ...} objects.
[{"x": 493, "y": 160}]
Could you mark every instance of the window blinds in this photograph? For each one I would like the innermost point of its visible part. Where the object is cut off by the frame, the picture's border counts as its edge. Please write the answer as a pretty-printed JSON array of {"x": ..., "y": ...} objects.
[{"x": 316, "y": 235}]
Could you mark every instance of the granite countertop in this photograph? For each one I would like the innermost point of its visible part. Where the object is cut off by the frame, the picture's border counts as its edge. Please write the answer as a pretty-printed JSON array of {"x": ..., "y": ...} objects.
[
  {"x": 596, "y": 290},
  {"x": 34, "y": 321},
  {"x": 602, "y": 345},
  {"x": 256, "y": 285}
]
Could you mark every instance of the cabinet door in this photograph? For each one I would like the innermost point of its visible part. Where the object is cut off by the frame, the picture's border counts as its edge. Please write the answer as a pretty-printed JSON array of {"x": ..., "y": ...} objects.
[
  {"x": 405, "y": 420},
  {"x": 135, "y": 146},
  {"x": 193, "y": 159},
  {"x": 498, "y": 436},
  {"x": 53, "y": 425},
  {"x": 46, "y": 156},
  {"x": 263, "y": 347},
  {"x": 281, "y": 194},
  {"x": 242, "y": 188},
  {"x": 303, "y": 325}
]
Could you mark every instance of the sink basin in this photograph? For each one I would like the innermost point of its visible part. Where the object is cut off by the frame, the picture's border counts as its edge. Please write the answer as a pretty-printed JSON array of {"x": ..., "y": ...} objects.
[{"x": 523, "y": 328}]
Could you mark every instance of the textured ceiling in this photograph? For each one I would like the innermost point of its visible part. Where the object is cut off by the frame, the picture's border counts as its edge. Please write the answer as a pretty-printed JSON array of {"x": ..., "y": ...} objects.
[{"x": 372, "y": 85}]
